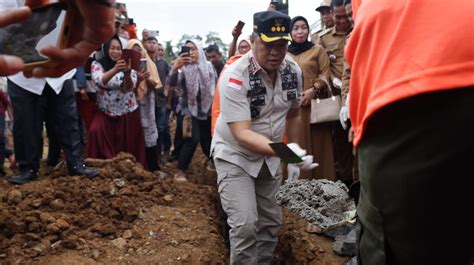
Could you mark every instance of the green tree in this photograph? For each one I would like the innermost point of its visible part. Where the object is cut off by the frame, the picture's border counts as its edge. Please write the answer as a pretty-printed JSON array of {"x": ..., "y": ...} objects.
[
  {"x": 213, "y": 38},
  {"x": 186, "y": 37},
  {"x": 169, "y": 53}
]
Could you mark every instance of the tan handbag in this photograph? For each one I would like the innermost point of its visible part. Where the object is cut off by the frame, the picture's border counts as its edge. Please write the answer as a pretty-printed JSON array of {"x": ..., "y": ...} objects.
[
  {"x": 325, "y": 109},
  {"x": 187, "y": 127}
]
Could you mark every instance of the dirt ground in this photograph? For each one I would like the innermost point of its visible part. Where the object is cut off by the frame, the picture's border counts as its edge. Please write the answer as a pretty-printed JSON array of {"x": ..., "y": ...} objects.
[{"x": 131, "y": 216}]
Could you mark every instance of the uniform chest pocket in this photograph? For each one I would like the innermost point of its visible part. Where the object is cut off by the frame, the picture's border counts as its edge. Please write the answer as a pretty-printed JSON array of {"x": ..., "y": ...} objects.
[
  {"x": 289, "y": 81},
  {"x": 289, "y": 95}
]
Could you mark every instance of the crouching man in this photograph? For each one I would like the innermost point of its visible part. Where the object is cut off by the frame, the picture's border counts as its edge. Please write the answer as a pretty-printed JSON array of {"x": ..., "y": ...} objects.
[{"x": 260, "y": 94}]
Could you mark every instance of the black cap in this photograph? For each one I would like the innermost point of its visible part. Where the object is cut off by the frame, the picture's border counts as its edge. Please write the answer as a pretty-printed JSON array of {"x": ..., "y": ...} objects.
[{"x": 272, "y": 26}]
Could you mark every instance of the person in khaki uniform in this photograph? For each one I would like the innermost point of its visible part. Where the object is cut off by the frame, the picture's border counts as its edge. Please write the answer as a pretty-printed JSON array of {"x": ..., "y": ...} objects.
[
  {"x": 259, "y": 95},
  {"x": 334, "y": 42},
  {"x": 327, "y": 21},
  {"x": 314, "y": 62}
]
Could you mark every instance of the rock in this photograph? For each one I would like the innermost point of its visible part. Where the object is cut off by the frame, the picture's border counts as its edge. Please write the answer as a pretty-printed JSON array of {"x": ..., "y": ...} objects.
[
  {"x": 36, "y": 203},
  {"x": 47, "y": 218},
  {"x": 345, "y": 245},
  {"x": 53, "y": 228},
  {"x": 31, "y": 219},
  {"x": 42, "y": 247},
  {"x": 34, "y": 227},
  {"x": 63, "y": 225},
  {"x": 339, "y": 230},
  {"x": 70, "y": 243},
  {"x": 119, "y": 243},
  {"x": 95, "y": 254},
  {"x": 14, "y": 197},
  {"x": 140, "y": 251},
  {"x": 127, "y": 234},
  {"x": 56, "y": 244},
  {"x": 313, "y": 229},
  {"x": 112, "y": 191},
  {"x": 119, "y": 183},
  {"x": 352, "y": 261},
  {"x": 57, "y": 204},
  {"x": 127, "y": 191},
  {"x": 168, "y": 198}
]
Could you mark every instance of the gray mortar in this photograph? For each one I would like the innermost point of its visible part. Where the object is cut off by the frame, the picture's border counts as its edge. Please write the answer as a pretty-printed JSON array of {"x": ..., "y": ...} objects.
[{"x": 321, "y": 202}]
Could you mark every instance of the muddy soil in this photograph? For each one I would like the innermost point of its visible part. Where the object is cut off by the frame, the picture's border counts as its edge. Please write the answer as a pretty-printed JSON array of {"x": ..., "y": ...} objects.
[{"x": 131, "y": 216}]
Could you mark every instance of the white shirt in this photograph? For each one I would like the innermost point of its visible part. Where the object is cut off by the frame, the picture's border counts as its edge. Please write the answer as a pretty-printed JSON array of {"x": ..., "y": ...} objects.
[{"x": 34, "y": 85}]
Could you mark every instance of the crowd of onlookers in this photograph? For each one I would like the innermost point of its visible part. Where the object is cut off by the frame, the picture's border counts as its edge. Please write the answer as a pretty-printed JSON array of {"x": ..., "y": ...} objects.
[{"x": 121, "y": 108}]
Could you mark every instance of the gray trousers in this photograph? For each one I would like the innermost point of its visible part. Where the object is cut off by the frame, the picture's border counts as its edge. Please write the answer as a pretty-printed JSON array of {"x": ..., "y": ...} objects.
[{"x": 253, "y": 214}]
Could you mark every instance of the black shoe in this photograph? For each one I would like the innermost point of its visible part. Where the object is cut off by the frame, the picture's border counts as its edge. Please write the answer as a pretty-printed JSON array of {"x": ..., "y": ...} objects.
[
  {"x": 24, "y": 177},
  {"x": 82, "y": 170},
  {"x": 172, "y": 158}
]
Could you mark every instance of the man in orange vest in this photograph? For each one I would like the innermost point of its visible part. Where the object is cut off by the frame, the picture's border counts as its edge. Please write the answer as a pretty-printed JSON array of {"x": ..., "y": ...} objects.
[{"x": 411, "y": 102}]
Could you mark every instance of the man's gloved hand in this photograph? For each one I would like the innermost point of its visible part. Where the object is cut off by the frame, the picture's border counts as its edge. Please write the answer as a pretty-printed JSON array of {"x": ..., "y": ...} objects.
[
  {"x": 293, "y": 172},
  {"x": 307, "y": 163},
  {"x": 343, "y": 117},
  {"x": 297, "y": 149}
]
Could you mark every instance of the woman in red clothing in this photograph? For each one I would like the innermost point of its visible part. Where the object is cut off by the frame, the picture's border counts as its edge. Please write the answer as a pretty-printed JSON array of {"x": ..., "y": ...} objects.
[{"x": 116, "y": 127}]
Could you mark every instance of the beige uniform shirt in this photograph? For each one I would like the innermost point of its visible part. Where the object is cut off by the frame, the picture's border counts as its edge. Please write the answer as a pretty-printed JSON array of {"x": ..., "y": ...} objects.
[
  {"x": 334, "y": 44},
  {"x": 247, "y": 94},
  {"x": 346, "y": 78}
]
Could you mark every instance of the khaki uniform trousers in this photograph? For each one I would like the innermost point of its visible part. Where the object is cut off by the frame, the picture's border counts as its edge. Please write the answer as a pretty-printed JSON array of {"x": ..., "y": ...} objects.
[{"x": 253, "y": 214}]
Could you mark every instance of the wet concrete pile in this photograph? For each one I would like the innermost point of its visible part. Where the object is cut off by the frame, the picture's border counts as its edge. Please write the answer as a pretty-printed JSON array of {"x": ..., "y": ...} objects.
[{"x": 320, "y": 202}]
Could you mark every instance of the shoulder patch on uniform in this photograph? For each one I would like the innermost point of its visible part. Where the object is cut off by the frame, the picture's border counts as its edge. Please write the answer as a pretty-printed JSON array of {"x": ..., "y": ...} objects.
[
  {"x": 324, "y": 32},
  {"x": 234, "y": 83}
]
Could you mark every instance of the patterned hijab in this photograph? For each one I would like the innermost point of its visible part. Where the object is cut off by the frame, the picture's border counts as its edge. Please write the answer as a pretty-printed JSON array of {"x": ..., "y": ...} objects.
[
  {"x": 151, "y": 66},
  {"x": 200, "y": 77}
]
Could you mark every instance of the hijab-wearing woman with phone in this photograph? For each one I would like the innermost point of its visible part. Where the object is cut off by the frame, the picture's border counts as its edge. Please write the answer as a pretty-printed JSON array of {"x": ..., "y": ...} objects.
[
  {"x": 314, "y": 62},
  {"x": 148, "y": 82},
  {"x": 195, "y": 79},
  {"x": 116, "y": 127}
]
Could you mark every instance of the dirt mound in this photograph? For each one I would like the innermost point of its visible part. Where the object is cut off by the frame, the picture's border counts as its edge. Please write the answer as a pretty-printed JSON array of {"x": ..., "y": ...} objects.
[{"x": 59, "y": 213}]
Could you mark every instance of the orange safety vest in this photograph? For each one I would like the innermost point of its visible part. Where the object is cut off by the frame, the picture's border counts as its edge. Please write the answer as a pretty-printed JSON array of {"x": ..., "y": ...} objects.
[
  {"x": 216, "y": 102},
  {"x": 400, "y": 49}
]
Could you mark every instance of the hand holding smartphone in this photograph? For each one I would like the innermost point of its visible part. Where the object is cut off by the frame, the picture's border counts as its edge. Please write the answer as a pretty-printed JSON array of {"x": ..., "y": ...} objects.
[
  {"x": 240, "y": 25},
  {"x": 143, "y": 66},
  {"x": 185, "y": 50},
  {"x": 47, "y": 26}
]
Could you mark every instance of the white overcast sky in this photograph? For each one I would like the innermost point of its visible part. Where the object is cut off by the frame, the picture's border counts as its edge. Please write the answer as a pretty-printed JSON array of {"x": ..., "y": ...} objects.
[{"x": 173, "y": 18}]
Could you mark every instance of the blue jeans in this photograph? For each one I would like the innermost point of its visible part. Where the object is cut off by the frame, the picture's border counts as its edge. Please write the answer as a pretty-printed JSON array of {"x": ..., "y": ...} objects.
[{"x": 162, "y": 123}]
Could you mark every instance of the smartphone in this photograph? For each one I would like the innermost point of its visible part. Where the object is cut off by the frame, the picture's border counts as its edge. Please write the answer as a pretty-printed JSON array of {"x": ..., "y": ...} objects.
[
  {"x": 143, "y": 66},
  {"x": 185, "y": 49},
  {"x": 240, "y": 25},
  {"x": 154, "y": 33},
  {"x": 285, "y": 153},
  {"x": 47, "y": 25},
  {"x": 128, "y": 21}
]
